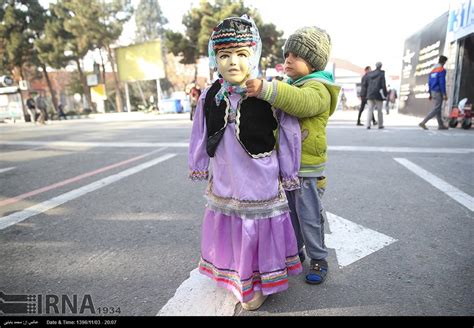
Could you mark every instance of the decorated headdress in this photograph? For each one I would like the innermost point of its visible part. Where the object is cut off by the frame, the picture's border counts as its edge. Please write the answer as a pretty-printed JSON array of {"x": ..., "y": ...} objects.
[{"x": 235, "y": 32}]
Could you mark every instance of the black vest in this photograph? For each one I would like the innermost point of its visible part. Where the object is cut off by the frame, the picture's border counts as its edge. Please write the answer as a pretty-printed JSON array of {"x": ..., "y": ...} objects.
[{"x": 256, "y": 124}]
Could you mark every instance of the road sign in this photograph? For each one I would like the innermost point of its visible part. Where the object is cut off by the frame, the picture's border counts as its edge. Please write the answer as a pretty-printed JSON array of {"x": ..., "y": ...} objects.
[
  {"x": 98, "y": 93},
  {"x": 24, "y": 85},
  {"x": 92, "y": 80},
  {"x": 6, "y": 81}
]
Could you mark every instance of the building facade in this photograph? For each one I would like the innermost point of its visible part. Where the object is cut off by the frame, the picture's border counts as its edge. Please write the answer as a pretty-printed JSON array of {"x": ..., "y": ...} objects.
[{"x": 452, "y": 35}]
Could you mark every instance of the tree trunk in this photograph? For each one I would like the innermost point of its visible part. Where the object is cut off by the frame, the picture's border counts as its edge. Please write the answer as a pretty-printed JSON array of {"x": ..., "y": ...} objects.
[
  {"x": 103, "y": 67},
  {"x": 18, "y": 73},
  {"x": 85, "y": 87},
  {"x": 118, "y": 93},
  {"x": 50, "y": 87}
]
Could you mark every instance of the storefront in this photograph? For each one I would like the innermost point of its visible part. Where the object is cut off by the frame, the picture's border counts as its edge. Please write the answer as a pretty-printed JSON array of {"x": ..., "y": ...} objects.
[
  {"x": 460, "y": 36},
  {"x": 11, "y": 103},
  {"x": 452, "y": 35},
  {"x": 421, "y": 53}
]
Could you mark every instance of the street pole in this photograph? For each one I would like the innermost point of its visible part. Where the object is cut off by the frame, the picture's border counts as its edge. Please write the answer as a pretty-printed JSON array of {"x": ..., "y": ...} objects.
[
  {"x": 127, "y": 95},
  {"x": 158, "y": 92}
]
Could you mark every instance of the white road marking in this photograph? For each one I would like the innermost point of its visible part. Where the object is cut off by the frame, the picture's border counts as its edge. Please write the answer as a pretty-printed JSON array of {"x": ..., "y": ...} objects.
[
  {"x": 7, "y": 169},
  {"x": 16, "y": 217},
  {"x": 352, "y": 241},
  {"x": 96, "y": 144},
  {"x": 186, "y": 144},
  {"x": 200, "y": 296},
  {"x": 453, "y": 192},
  {"x": 403, "y": 149}
]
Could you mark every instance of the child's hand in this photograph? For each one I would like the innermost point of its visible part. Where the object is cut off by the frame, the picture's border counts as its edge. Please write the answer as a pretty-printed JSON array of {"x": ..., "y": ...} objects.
[{"x": 254, "y": 86}]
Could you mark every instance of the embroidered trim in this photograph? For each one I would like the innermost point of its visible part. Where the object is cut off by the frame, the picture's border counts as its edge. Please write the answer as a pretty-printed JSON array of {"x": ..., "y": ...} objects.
[
  {"x": 228, "y": 120},
  {"x": 227, "y": 110},
  {"x": 248, "y": 209},
  {"x": 237, "y": 132},
  {"x": 292, "y": 183},
  {"x": 254, "y": 215},
  {"x": 245, "y": 287},
  {"x": 196, "y": 175}
]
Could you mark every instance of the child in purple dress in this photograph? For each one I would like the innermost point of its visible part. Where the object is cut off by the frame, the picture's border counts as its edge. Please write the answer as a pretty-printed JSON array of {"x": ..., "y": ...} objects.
[{"x": 250, "y": 154}]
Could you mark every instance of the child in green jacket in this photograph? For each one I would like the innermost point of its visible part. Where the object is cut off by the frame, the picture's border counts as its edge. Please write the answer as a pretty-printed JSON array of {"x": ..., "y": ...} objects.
[{"x": 312, "y": 96}]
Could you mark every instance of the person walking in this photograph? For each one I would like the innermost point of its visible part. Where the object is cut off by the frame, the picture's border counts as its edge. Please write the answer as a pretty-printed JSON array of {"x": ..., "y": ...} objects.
[
  {"x": 363, "y": 95},
  {"x": 61, "y": 112},
  {"x": 437, "y": 90},
  {"x": 194, "y": 95},
  {"x": 391, "y": 98},
  {"x": 42, "y": 107},
  {"x": 31, "y": 106},
  {"x": 376, "y": 94}
]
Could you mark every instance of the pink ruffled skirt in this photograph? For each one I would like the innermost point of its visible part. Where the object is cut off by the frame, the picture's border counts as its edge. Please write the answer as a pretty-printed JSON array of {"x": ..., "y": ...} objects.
[{"x": 247, "y": 255}]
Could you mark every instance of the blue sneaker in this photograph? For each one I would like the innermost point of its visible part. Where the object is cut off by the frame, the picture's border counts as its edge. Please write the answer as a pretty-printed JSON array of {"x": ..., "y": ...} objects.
[{"x": 318, "y": 270}]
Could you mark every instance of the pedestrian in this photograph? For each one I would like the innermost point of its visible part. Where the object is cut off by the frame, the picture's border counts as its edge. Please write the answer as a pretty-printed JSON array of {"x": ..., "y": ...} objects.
[
  {"x": 437, "y": 89},
  {"x": 363, "y": 96},
  {"x": 391, "y": 98},
  {"x": 42, "y": 107},
  {"x": 30, "y": 104},
  {"x": 376, "y": 94},
  {"x": 312, "y": 96},
  {"x": 343, "y": 100},
  {"x": 248, "y": 245},
  {"x": 61, "y": 112},
  {"x": 194, "y": 95}
]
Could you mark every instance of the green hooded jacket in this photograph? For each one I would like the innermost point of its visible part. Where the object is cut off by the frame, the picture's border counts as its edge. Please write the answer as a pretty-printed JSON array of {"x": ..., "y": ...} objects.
[{"x": 312, "y": 99}]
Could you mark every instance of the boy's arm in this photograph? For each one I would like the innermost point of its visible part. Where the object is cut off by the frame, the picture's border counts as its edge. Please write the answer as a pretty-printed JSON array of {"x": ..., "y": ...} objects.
[{"x": 306, "y": 101}]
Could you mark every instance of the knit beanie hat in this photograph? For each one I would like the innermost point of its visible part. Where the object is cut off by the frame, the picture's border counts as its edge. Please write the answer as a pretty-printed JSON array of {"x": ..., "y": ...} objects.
[{"x": 312, "y": 44}]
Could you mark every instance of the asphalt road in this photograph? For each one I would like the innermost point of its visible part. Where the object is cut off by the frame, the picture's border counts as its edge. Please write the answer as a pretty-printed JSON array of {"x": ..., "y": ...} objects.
[{"x": 126, "y": 229}]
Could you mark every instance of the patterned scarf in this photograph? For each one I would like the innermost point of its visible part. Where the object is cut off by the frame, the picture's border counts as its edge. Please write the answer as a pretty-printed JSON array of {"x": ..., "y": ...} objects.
[{"x": 226, "y": 89}]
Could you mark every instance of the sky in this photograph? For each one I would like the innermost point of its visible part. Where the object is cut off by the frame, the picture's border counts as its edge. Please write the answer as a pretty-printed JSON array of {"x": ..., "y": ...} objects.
[{"x": 362, "y": 31}]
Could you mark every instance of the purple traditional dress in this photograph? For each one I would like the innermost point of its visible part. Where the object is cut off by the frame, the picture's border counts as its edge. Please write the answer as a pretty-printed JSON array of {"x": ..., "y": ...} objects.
[
  {"x": 250, "y": 153},
  {"x": 248, "y": 242}
]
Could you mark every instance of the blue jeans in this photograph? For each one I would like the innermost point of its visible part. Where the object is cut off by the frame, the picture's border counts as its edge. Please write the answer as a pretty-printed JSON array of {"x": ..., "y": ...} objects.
[{"x": 307, "y": 216}]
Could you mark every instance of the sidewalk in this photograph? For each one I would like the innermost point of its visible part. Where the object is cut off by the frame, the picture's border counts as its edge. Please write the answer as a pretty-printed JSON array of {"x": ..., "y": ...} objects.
[
  {"x": 138, "y": 116},
  {"x": 108, "y": 117},
  {"x": 349, "y": 117}
]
